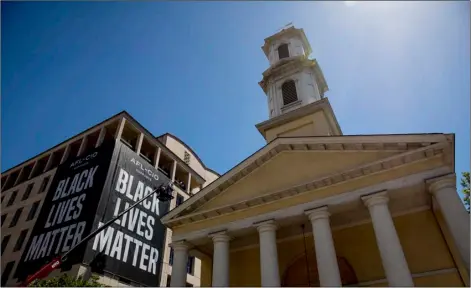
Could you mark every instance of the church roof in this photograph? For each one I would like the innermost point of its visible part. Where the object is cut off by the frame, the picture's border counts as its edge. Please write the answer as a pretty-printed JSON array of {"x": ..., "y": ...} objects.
[{"x": 408, "y": 148}]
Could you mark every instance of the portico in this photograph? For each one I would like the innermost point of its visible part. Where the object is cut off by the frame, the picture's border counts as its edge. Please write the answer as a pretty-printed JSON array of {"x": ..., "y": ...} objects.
[
  {"x": 377, "y": 207},
  {"x": 314, "y": 207}
]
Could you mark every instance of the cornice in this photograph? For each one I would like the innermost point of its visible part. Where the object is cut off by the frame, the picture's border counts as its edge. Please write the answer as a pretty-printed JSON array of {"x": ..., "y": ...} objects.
[{"x": 409, "y": 156}]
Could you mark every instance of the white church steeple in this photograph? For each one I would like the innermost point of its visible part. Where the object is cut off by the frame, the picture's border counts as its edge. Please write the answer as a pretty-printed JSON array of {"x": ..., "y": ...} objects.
[
  {"x": 292, "y": 80},
  {"x": 293, "y": 85}
]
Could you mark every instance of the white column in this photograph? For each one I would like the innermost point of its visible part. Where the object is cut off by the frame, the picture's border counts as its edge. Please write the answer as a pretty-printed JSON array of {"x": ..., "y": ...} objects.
[
  {"x": 83, "y": 144},
  {"x": 157, "y": 157},
  {"x": 140, "y": 139},
  {"x": 35, "y": 166},
  {"x": 180, "y": 259},
  {"x": 188, "y": 185},
  {"x": 49, "y": 161},
  {"x": 268, "y": 254},
  {"x": 174, "y": 170},
  {"x": 19, "y": 176},
  {"x": 101, "y": 137},
  {"x": 220, "y": 259},
  {"x": 7, "y": 179},
  {"x": 393, "y": 259},
  {"x": 454, "y": 213},
  {"x": 65, "y": 155},
  {"x": 328, "y": 267},
  {"x": 119, "y": 130}
]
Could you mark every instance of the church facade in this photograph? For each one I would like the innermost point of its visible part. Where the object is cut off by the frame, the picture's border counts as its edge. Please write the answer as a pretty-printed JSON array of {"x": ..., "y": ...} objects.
[{"x": 314, "y": 207}]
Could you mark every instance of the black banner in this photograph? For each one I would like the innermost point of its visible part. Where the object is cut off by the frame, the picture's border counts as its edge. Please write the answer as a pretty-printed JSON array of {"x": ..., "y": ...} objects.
[
  {"x": 68, "y": 210},
  {"x": 131, "y": 247}
]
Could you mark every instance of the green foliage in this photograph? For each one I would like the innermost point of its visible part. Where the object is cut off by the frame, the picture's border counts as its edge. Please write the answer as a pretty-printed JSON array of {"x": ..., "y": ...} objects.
[
  {"x": 66, "y": 281},
  {"x": 465, "y": 186}
]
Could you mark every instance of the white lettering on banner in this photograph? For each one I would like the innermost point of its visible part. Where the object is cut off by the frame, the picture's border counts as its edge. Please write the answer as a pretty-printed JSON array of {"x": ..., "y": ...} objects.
[
  {"x": 41, "y": 245},
  {"x": 138, "y": 222},
  {"x": 110, "y": 242},
  {"x": 135, "y": 218},
  {"x": 147, "y": 171},
  {"x": 60, "y": 240},
  {"x": 58, "y": 214},
  {"x": 124, "y": 186},
  {"x": 81, "y": 181},
  {"x": 86, "y": 158}
]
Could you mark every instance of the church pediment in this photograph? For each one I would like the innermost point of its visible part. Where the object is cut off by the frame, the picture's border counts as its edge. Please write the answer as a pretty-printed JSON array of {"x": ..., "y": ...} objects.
[{"x": 288, "y": 166}]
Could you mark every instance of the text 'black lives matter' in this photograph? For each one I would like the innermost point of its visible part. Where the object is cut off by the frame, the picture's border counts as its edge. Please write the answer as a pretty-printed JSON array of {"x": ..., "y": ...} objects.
[
  {"x": 68, "y": 211},
  {"x": 132, "y": 246}
]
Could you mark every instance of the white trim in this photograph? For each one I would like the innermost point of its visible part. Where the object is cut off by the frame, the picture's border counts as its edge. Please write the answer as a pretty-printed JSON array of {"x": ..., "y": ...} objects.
[
  {"x": 307, "y": 186},
  {"x": 415, "y": 275},
  {"x": 335, "y": 228},
  {"x": 402, "y": 138},
  {"x": 299, "y": 209}
]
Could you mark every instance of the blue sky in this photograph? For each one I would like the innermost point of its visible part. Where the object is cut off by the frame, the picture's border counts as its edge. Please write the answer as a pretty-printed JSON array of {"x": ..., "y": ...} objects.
[{"x": 192, "y": 69}]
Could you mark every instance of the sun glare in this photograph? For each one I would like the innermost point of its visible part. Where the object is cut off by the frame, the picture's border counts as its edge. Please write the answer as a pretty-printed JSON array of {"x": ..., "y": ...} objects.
[{"x": 350, "y": 3}]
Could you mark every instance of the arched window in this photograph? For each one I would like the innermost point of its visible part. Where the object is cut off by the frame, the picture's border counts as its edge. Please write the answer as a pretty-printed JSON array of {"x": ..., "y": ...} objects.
[
  {"x": 288, "y": 89},
  {"x": 283, "y": 51}
]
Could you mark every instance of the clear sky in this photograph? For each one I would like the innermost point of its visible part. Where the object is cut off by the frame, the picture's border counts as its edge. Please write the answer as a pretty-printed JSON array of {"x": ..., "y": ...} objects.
[{"x": 192, "y": 69}]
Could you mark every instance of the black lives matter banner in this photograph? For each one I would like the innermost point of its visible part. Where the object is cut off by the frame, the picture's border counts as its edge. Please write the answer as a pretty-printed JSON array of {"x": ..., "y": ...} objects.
[
  {"x": 68, "y": 210},
  {"x": 132, "y": 247}
]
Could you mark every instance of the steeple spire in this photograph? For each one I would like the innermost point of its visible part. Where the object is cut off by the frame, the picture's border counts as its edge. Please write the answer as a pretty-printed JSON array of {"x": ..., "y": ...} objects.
[{"x": 293, "y": 81}]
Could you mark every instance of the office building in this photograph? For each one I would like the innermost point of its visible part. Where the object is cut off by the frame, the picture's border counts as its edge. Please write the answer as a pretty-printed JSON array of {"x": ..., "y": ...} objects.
[{"x": 25, "y": 186}]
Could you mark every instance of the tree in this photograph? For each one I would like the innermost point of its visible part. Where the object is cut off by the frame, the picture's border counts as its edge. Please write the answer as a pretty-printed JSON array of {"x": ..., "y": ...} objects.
[
  {"x": 66, "y": 281},
  {"x": 465, "y": 186}
]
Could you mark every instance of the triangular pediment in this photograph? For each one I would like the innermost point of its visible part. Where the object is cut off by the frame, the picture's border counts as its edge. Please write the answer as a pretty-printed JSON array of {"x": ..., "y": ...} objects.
[
  {"x": 290, "y": 168},
  {"x": 290, "y": 162}
]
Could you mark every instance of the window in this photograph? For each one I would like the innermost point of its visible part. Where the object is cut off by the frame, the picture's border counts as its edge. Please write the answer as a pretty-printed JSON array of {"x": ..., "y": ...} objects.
[
  {"x": 12, "y": 198},
  {"x": 20, "y": 240},
  {"x": 4, "y": 216},
  {"x": 186, "y": 158},
  {"x": 6, "y": 272},
  {"x": 179, "y": 200},
  {"x": 283, "y": 51},
  {"x": 16, "y": 217},
  {"x": 190, "y": 265},
  {"x": 28, "y": 191},
  {"x": 44, "y": 185},
  {"x": 32, "y": 211},
  {"x": 5, "y": 241},
  {"x": 170, "y": 258},
  {"x": 288, "y": 89}
]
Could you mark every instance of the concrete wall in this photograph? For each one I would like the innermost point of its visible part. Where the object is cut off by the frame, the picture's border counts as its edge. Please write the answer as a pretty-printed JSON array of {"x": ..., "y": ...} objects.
[
  {"x": 419, "y": 234},
  {"x": 315, "y": 124},
  {"x": 179, "y": 149},
  {"x": 14, "y": 232}
]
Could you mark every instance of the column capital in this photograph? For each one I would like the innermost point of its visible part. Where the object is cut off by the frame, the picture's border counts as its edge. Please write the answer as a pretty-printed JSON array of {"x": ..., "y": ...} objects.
[
  {"x": 220, "y": 236},
  {"x": 438, "y": 183},
  {"x": 264, "y": 226},
  {"x": 378, "y": 198},
  {"x": 318, "y": 213},
  {"x": 180, "y": 245}
]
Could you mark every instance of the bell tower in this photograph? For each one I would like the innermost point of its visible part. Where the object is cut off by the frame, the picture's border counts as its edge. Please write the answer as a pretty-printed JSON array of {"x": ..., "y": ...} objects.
[{"x": 295, "y": 87}]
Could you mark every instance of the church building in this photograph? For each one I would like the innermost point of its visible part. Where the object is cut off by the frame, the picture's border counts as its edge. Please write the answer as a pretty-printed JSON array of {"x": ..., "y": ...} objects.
[{"x": 314, "y": 207}]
